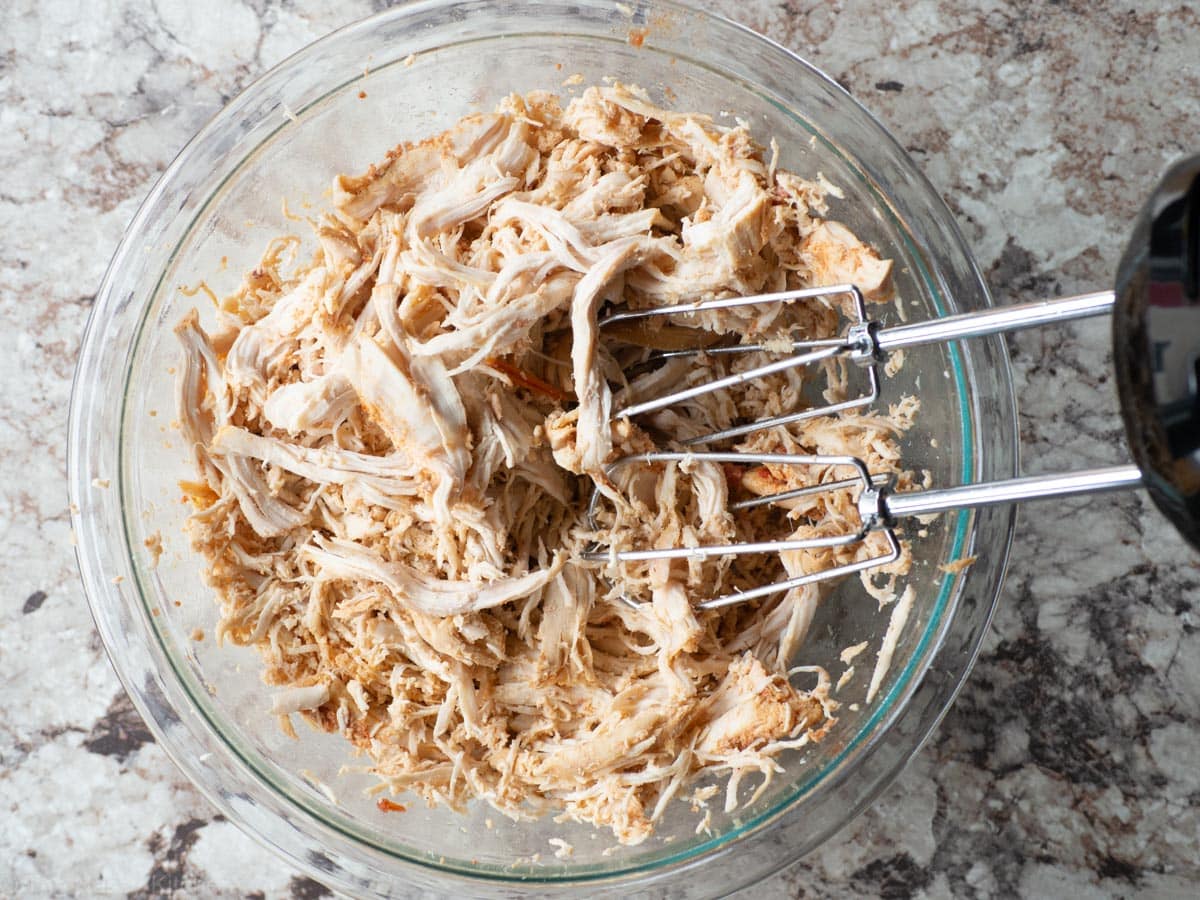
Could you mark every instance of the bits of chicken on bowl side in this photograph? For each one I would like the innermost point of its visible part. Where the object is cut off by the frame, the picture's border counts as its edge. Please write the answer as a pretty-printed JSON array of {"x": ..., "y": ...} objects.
[{"x": 395, "y": 442}]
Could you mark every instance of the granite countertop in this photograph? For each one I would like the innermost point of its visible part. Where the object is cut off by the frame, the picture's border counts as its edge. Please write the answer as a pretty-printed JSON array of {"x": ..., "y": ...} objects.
[{"x": 1068, "y": 765}]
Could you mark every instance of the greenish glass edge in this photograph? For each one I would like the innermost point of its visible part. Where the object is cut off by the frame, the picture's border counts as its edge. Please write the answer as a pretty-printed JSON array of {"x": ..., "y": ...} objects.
[{"x": 338, "y": 823}]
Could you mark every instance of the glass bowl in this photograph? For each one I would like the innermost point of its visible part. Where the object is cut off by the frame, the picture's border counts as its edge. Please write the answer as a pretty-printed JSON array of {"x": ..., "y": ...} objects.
[{"x": 337, "y": 106}]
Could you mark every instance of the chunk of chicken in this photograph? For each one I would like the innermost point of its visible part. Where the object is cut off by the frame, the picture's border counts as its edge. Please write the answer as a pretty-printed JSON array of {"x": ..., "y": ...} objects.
[
  {"x": 752, "y": 706},
  {"x": 837, "y": 256}
]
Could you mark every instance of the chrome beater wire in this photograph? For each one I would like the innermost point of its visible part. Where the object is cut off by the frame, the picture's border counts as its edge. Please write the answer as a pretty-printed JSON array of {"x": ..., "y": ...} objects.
[
  {"x": 879, "y": 506},
  {"x": 854, "y": 343},
  {"x": 863, "y": 341},
  {"x": 861, "y": 479}
]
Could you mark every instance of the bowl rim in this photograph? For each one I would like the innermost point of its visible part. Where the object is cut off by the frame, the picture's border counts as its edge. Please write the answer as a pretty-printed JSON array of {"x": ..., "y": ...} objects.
[{"x": 85, "y": 503}]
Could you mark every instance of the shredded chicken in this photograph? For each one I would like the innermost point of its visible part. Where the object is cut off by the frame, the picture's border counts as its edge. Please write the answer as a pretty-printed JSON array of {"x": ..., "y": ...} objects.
[{"x": 395, "y": 443}]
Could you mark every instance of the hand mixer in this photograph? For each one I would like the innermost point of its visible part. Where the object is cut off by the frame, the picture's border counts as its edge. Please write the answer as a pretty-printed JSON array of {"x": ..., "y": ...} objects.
[{"x": 1156, "y": 339}]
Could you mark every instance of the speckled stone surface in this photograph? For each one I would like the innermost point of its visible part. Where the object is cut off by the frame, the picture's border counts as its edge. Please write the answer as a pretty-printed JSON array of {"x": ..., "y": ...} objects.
[{"x": 1067, "y": 767}]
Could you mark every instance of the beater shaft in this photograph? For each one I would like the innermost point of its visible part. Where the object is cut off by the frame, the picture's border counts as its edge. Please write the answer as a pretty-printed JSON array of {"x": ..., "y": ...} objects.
[{"x": 995, "y": 321}]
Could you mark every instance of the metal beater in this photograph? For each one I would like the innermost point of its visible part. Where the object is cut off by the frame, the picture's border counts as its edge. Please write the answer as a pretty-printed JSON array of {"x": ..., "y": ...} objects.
[{"x": 1156, "y": 339}]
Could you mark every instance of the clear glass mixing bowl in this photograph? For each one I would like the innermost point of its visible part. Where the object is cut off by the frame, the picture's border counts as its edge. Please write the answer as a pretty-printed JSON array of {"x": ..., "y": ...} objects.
[{"x": 337, "y": 106}]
